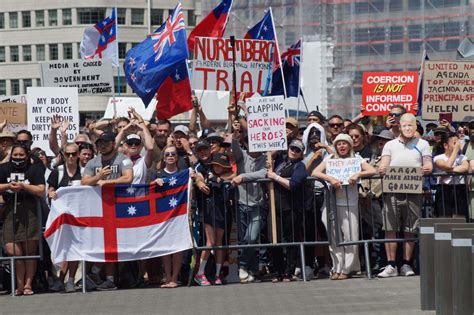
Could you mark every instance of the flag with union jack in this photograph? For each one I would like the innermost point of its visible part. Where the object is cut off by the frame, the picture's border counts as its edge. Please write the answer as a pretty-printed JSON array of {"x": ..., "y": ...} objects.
[
  {"x": 291, "y": 71},
  {"x": 150, "y": 63},
  {"x": 119, "y": 222}
]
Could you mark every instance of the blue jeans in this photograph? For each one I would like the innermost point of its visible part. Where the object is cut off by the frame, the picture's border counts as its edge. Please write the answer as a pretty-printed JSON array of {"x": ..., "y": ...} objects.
[{"x": 250, "y": 219}]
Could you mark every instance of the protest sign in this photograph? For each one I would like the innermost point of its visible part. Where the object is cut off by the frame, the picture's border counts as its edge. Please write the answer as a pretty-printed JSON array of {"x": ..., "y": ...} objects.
[
  {"x": 212, "y": 66},
  {"x": 19, "y": 99},
  {"x": 43, "y": 104},
  {"x": 13, "y": 112},
  {"x": 343, "y": 169},
  {"x": 119, "y": 106},
  {"x": 266, "y": 123},
  {"x": 448, "y": 87},
  {"x": 406, "y": 180},
  {"x": 380, "y": 90},
  {"x": 91, "y": 77}
]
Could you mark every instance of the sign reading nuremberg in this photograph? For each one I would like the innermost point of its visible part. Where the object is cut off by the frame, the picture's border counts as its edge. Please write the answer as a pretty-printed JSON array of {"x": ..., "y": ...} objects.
[
  {"x": 380, "y": 90},
  {"x": 343, "y": 169},
  {"x": 266, "y": 123},
  {"x": 406, "y": 180},
  {"x": 448, "y": 87},
  {"x": 212, "y": 67},
  {"x": 91, "y": 77}
]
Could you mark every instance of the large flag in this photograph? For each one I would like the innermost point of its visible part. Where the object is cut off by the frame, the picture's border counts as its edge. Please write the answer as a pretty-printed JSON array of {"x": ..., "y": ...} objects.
[
  {"x": 213, "y": 25},
  {"x": 291, "y": 70},
  {"x": 150, "y": 63},
  {"x": 420, "y": 82},
  {"x": 119, "y": 223},
  {"x": 101, "y": 41}
]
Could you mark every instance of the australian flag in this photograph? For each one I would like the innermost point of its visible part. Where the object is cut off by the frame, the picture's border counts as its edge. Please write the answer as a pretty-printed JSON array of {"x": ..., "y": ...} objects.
[
  {"x": 291, "y": 70},
  {"x": 150, "y": 63}
]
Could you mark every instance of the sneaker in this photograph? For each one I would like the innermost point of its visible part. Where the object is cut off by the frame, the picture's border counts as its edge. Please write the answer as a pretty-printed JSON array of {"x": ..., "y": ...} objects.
[
  {"x": 297, "y": 271},
  {"x": 107, "y": 285},
  {"x": 95, "y": 277},
  {"x": 309, "y": 273},
  {"x": 406, "y": 271},
  {"x": 56, "y": 286},
  {"x": 218, "y": 281},
  {"x": 70, "y": 288},
  {"x": 243, "y": 274},
  {"x": 90, "y": 285},
  {"x": 388, "y": 271},
  {"x": 201, "y": 280}
]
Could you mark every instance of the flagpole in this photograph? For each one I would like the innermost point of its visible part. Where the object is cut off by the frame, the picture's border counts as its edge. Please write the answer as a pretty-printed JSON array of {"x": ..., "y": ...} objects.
[
  {"x": 234, "y": 81},
  {"x": 118, "y": 66},
  {"x": 299, "y": 79}
]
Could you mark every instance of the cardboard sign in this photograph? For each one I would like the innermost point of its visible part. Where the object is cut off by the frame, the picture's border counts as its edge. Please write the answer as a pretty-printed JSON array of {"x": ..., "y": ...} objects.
[
  {"x": 91, "y": 77},
  {"x": 14, "y": 113},
  {"x": 266, "y": 123},
  {"x": 343, "y": 169},
  {"x": 380, "y": 90},
  {"x": 448, "y": 87},
  {"x": 122, "y": 105},
  {"x": 212, "y": 67},
  {"x": 406, "y": 180},
  {"x": 13, "y": 126},
  {"x": 43, "y": 104}
]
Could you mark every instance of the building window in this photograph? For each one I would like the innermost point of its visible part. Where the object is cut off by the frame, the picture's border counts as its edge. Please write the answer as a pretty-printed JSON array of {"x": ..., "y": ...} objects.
[
  {"x": 90, "y": 15},
  {"x": 122, "y": 50},
  {"x": 361, "y": 50},
  {"x": 2, "y": 55},
  {"x": 79, "y": 51},
  {"x": 40, "y": 55},
  {"x": 156, "y": 16},
  {"x": 26, "y": 19},
  {"x": 414, "y": 4},
  {"x": 377, "y": 33},
  {"x": 13, "y": 19},
  {"x": 192, "y": 18},
  {"x": 414, "y": 31},
  {"x": 395, "y": 5},
  {"x": 27, "y": 53},
  {"x": 452, "y": 44},
  {"x": 396, "y": 48},
  {"x": 414, "y": 46},
  {"x": 15, "y": 87},
  {"x": 39, "y": 18},
  {"x": 121, "y": 16},
  {"x": 361, "y": 34},
  {"x": 53, "y": 52},
  {"x": 14, "y": 55},
  {"x": 38, "y": 82},
  {"x": 2, "y": 20},
  {"x": 138, "y": 16},
  {"x": 26, "y": 84},
  {"x": 67, "y": 51},
  {"x": 67, "y": 17},
  {"x": 3, "y": 87},
  {"x": 396, "y": 32},
  {"x": 452, "y": 28},
  {"x": 433, "y": 45},
  {"x": 123, "y": 85},
  {"x": 53, "y": 17}
]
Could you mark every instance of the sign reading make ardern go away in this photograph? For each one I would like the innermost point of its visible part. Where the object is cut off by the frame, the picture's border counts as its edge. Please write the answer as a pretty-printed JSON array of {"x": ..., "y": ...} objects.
[
  {"x": 406, "y": 180},
  {"x": 91, "y": 77}
]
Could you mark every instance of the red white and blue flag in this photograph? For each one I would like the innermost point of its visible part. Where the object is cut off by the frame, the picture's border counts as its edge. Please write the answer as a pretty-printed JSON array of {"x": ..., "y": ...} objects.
[
  {"x": 119, "y": 222},
  {"x": 101, "y": 41},
  {"x": 213, "y": 25},
  {"x": 291, "y": 71}
]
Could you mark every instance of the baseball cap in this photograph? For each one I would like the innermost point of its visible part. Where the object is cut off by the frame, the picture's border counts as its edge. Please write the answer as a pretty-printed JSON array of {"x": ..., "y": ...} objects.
[
  {"x": 183, "y": 129},
  {"x": 315, "y": 113},
  {"x": 297, "y": 144},
  {"x": 106, "y": 137},
  {"x": 132, "y": 136},
  {"x": 292, "y": 121},
  {"x": 202, "y": 144},
  {"x": 221, "y": 159}
]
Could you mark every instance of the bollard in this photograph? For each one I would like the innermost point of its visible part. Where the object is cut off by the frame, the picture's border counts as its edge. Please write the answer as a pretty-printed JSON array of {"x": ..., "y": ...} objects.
[
  {"x": 427, "y": 275},
  {"x": 443, "y": 266},
  {"x": 461, "y": 273}
]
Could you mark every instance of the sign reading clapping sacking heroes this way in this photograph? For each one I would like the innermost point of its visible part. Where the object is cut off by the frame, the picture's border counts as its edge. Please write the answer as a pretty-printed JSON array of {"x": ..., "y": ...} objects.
[
  {"x": 400, "y": 179},
  {"x": 212, "y": 67},
  {"x": 448, "y": 87},
  {"x": 43, "y": 104},
  {"x": 343, "y": 169},
  {"x": 266, "y": 123},
  {"x": 380, "y": 90},
  {"x": 91, "y": 77}
]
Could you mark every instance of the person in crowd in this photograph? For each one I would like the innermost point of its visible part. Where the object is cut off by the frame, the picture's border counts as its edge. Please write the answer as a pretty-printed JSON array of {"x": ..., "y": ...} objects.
[
  {"x": 393, "y": 119},
  {"x": 193, "y": 140},
  {"x": 25, "y": 180},
  {"x": 451, "y": 192},
  {"x": 86, "y": 153},
  {"x": 216, "y": 142},
  {"x": 196, "y": 113},
  {"x": 359, "y": 138},
  {"x": 335, "y": 127},
  {"x": 41, "y": 155},
  {"x": 6, "y": 141},
  {"x": 25, "y": 138},
  {"x": 181, "y": 141},
  {"x": 291, "y": 129},
  {"x": 439, "y": 135},
  {"x": 315, "y": 117},
  {"x": 109, "y": 167},
  {"x": 461, "y": 133},
  {"x": 289, "y": 176},
  {"x": 345, "y": 259},
  {"x": 403, "y": 210}
]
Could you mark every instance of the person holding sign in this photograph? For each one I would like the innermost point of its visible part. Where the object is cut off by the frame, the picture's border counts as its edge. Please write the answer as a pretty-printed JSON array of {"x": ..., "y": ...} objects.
[
  {"x": 345, "y": 259},
  {"x": 403, "y": 210}
]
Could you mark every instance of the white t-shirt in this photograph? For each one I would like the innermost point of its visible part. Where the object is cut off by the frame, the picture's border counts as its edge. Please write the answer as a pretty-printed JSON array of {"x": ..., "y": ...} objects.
[
  {"x": 139, "y": 171},
  {"x": 449, "y": 179},
  {"x": 406, "y": 154}
]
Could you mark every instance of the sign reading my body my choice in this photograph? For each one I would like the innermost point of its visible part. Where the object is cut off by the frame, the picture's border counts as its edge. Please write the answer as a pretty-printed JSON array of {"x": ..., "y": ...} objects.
[{"x": 46, "y": 102}]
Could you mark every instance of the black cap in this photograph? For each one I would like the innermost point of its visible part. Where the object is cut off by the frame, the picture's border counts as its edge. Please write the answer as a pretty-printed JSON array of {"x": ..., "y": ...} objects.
[
  {"x": 317, "y": 114},
  {"x": 440, "y": 129},
  {"x": 106, "y": 137},
  {"x": 202, "y": 144}
]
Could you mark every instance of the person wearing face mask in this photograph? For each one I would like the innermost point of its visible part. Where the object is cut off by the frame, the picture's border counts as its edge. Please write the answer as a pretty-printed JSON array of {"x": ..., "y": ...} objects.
[{"x": 20, "y": 222}]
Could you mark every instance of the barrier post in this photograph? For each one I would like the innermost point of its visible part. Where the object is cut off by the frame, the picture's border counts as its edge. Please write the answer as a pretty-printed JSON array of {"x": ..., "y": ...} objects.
[
  {"x": 271, "y": 192},
  {"x": 427, "y": 274},
  {"x": 84, "y": 275},
  {"x": 461, "y": 273},
  {"x": 303, "y": 265},
  {"x": 12, "y": 275}
]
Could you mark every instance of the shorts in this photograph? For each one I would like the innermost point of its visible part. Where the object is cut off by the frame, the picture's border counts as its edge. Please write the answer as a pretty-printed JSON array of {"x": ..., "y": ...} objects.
[{"x": 401, "y": 211}]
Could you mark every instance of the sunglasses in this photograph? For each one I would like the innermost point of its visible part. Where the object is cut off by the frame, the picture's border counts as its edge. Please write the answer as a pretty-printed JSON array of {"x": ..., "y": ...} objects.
[
  {"x": 170, "y": 153},
  {"x": 23, "y": 142},
  {"x": 192, "y": 143},
  {"x": 336, "y": 125},
  {"x": 395, "y": 114},
  {"x": 295, "y": 149},
  {"x": 355, "y": 136},
  {"x": 133, "y": 143},
  {"x": 70, "y": 154}
]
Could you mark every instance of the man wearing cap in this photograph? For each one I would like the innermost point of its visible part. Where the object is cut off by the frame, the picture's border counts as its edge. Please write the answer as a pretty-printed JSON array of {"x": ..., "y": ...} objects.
[
  {"x": 291, "y": 129},
  {"x": 185, "y": 154},
  {"x": 315, "y": 117},
  {"x": 6, "y": 141},
  {"x": 109, "y": 167}
]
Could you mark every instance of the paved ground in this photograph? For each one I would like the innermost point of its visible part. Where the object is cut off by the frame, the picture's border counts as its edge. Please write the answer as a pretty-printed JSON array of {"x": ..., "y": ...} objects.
[{"x": 354, "y": 296}]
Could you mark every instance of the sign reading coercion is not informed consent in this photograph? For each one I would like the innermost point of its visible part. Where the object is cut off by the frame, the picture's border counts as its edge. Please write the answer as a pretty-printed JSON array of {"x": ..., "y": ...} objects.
[
  {"x": 406, "y": 180},
  {"x": 212, "y": 67},
  {"x": 343, "y": 169},
  {"x": 266, "y": 123},
  {"x": 43, "y": 104},
  {"x": 448, "y": 87},
  {"x": 91, "y": 77}
]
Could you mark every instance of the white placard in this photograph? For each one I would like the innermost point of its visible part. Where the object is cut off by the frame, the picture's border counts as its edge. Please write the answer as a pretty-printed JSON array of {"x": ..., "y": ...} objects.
[
  {"x": 91, "y": 77},
  {"x": 43, "y": 104},
  {"x": 266, "y": 123},
  {"x": 122, "y": 104},
  {"x": 343, "y": 169}
]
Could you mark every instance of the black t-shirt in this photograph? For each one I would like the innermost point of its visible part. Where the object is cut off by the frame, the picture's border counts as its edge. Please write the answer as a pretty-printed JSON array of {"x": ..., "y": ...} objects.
[
  {"x": 365, "y": 153},
  {"x": 183, "y": 160},
  {"x": 33, "y": 174},
  {"x": 66, "y": 180}
]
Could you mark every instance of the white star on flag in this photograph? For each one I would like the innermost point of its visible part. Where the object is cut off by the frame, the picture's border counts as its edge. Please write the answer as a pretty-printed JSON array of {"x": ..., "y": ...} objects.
[
  {"x": 265, "y": 28},
  {"x": 148, "y": 90},
  {"x": 134, "y": 77},
  {"x": 131, "y": 61},
  {"x": 131, "y": 190},
  {"x": 105, "y": 23},
  {"x": 176, "y": 76},
  {"x": 173, "y": 181},
  {"x": 132, "y": 210},
  {"x": 143, "y": 67},
  {"x": 173, "y": 202}
]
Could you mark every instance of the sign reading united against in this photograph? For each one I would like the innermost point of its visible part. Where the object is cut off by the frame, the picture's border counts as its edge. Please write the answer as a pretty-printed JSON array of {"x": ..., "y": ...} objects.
[
  {"x": 343, "y": 169},
  {"x": 212, "y": 67},
  {"x": 91, "y": 77},
  {"x": 406, "y": 180},
  {"x": 380, "y": 90},
  {"x": 448, "y": 87},
  {"x": 43, "y": 104},
  {"x": 266, "y": 123}
]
